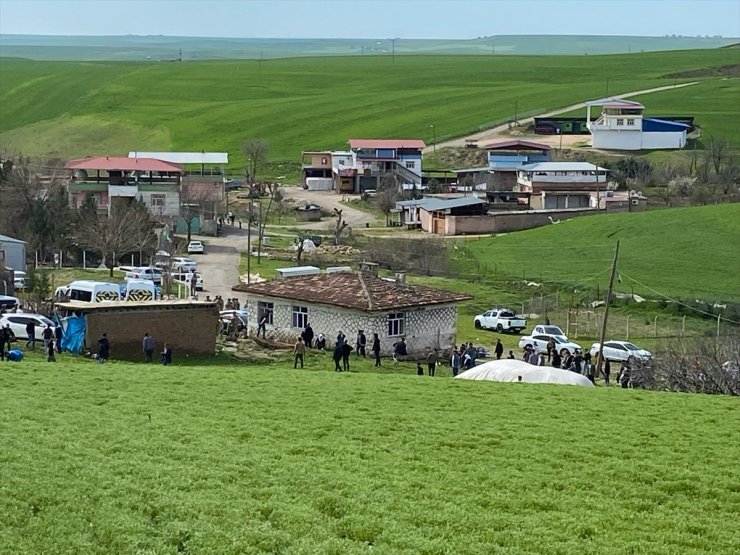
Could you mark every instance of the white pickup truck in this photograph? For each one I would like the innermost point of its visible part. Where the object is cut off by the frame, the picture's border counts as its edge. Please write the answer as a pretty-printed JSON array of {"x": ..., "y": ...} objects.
[{"x": 501, "y": 320}]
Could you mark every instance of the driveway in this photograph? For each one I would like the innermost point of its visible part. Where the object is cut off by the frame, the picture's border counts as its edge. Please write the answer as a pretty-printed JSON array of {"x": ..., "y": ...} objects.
[{"x": 219, "y": 267}]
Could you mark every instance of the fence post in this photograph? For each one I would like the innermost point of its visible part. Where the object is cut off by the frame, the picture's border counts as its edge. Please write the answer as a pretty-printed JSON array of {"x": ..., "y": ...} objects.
[
  {"x": 683, "y": 326},
  {"x": 567, "y": 323},
  {"x": 655, "y": 326},
  {"x": 628, "y": 328}
]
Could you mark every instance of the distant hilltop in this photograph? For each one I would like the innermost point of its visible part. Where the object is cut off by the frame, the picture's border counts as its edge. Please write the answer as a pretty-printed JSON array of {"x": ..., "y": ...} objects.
[{"x": 164, "y": 48}]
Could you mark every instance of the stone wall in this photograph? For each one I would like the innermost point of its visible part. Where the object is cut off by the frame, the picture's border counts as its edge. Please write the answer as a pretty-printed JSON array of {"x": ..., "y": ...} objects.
[
  {"x": 426, "y": 327},
  {"x": 189, "y": 330}
]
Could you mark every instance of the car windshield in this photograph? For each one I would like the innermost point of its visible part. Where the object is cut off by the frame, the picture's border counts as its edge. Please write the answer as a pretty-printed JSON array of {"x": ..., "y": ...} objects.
[
  {"x": 46, "y": 322},
  {"x": 554, "y": 330},
  {"x": 631, "y": 347}
]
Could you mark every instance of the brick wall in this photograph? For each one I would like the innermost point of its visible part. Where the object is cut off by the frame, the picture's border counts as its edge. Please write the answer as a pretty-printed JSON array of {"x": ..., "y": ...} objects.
[{"x": 188, "y": 330}]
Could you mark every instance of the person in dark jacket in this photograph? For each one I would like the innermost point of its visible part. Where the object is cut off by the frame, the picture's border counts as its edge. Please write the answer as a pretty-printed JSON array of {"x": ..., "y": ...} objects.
[
  {"x": 308, "y": 336},
  {"x": 376, "y": 349},
  {"x": 148, "y": 346},
  {"x": 432, "y": 362},
  {"x": 103, "y": 348},
  {"x": 58, "y": 332},
  {"x": 337, "y": 356},
  {"x": 361, "y": 343},
  {"x": 50, "y": 351},
  {"x": 31, "y": 333},
  {"x": 556, "y": 359},
  {"x": 499, "y": 350},
  {"x": 346, "y": 351},
  {"x": 166, "y": 355}
]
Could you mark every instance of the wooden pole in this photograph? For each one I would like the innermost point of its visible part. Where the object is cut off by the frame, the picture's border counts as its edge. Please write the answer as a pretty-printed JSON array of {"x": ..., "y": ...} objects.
[
  {"x": 628, "y": 328},
  {"x": 600, "y": 358},
  {"x": 249, "y": 240}
]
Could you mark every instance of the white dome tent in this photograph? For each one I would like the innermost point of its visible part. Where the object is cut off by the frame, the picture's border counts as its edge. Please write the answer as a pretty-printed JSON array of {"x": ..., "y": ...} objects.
[{"x": 509, "y": 370}]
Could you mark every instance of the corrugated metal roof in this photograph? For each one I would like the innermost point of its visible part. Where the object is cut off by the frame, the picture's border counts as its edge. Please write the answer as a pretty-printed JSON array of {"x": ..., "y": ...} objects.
[
  {"x": 615, "y": 102},
  {"x": 120, "y": 163},
  {"x": 387, "y": 143},
  {"x": 185, "y": 157},
  {"x": 562, "y": 167},
  {"x": 444, "y": 204},
  {"x": 6, "y": 239}
]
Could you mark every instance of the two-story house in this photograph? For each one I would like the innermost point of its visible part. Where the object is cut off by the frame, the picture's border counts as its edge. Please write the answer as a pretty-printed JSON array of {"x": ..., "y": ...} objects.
[
  {"x": 622, "y": 126},
  {"x": 114, "y": 181}
]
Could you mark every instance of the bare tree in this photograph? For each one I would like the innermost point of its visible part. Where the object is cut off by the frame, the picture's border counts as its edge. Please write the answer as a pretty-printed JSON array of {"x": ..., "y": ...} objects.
[
  {"x": 255, "y": 151},
  {"x": 339, "y": 227},
  {"x": 718, "y": 150},
  {"x": 195, "y": 200},
  {"x": 387, "y": 195},
  {"x": 273, "y": 191},
  {"x": 115, "y": 235}
]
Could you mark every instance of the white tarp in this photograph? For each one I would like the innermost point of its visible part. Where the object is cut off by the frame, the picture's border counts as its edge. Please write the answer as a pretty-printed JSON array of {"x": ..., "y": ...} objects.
[
  {"x": 319, "y": 183},
  {"x": 509, "y": 371}
]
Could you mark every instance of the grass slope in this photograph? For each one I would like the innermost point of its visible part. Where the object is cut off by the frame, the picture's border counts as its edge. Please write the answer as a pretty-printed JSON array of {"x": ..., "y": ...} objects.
[
  {"x": 684, "y": 252},
  {"x": 125, "y": 458},
  {"x": 308, "y": 103}
]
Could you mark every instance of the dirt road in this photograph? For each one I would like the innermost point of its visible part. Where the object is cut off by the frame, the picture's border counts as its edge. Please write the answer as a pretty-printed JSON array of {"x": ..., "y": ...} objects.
[
  {"x": 219, "y": 267},
  {"x": 328, "y": 200},
  {"x": 501, "y": 131}
]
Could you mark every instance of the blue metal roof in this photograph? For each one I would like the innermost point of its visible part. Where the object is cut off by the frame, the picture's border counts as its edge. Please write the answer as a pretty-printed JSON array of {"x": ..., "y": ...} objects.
[{"x": 662, "y": 125}]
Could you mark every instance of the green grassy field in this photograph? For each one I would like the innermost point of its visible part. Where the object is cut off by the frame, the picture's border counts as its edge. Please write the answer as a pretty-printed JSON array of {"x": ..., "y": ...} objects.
[
  {"x": 227, "y": 458},
  {"x": 70, "y": 109},
  {"x": 680, "y": 252}
]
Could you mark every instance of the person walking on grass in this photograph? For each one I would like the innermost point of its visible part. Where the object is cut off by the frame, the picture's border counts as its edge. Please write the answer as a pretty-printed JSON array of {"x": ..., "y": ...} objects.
[
  {"x": 31, "y": 333},
  {"x": 166, "y": 355},
  {"x": 455, "y": 362},
  {"x": 376, "y": 349},
  {"x": 337, "y": 356},
  {"x": 47, "y": 335},
  {"x": 432, "y": 362},
  {"x": 299, "y": 349},
  {"x": 148, "y": 346},
  {"x": 346, "y": 351},
  {"x": 103, "y": 348},
  {"x": 308, "y": 336},
  {"x": 50, "y": 351},
  {"x": 499, "y": 350}
]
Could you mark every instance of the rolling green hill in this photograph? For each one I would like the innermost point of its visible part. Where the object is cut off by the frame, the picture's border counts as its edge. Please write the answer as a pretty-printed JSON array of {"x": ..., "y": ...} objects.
[
  {"x": 129, "y": 48},
  {"x": 71, "y": 109},
  {"x": 233, "y": 458},
  {"x": 680, "y": 252}
]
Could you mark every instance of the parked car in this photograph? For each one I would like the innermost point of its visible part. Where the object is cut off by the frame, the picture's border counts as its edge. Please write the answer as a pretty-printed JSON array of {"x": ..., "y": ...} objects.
[
  {"x": 548, "y": 329},
  {"x": 184, "y": 264},
  {"x": 501, "y": 320},
  {"x": 152, "y": 274},
  {"x": 18, "y": 323},
  {"x": 19, "y": 279},
  {"x": 242, "y": 315},
  {"x": 8, "y": 303},
  {"x": 196, "y": 247},
  {"x": 621, "y": 351},
  {"x": 540, "y": 341},
  {"x": 185, "y": 277}
]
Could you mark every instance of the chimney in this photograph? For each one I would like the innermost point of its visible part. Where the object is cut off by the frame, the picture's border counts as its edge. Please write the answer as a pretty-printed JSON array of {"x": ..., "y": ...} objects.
[
  {"x": 369, "y": 268},
  {"x": 400, "y": 280}
]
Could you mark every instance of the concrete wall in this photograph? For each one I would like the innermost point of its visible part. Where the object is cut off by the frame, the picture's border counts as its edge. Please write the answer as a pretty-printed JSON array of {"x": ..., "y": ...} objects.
[
  {"x": 188, "y": 330},
  {"x": 502, "y": 222},
  {"x": 171, "y": 202},
  {"x": 426, "y": 327},
  {"x": 665, "y": 139}
]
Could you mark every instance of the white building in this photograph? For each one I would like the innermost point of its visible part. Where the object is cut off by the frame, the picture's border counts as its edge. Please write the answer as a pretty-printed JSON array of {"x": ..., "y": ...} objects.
[
  {"x": 622, "y": 126},
  {"x": 557, "y": 185}
]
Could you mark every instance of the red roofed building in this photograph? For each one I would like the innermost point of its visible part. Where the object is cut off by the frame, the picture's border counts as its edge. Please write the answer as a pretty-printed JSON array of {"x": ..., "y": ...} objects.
[
  {"x": 114, "y": 180},
  {"x": 352, "y": 301},
  {"x": 364, "y": 165}
]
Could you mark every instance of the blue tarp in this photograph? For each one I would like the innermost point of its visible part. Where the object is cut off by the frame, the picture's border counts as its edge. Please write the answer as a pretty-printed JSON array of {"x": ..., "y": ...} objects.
[
  {"x": 15, "y": 355},
  {"x": 74, "y": 334}
]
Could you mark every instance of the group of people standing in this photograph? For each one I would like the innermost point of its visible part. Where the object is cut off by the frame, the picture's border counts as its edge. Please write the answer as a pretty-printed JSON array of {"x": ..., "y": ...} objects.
[{"x": 341, "y": 351}]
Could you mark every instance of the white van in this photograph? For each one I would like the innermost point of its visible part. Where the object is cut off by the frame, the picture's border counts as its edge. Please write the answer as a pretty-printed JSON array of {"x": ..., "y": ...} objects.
[
  {"x": 140, "y": 290},
  {"x": 89, "y": 291}
]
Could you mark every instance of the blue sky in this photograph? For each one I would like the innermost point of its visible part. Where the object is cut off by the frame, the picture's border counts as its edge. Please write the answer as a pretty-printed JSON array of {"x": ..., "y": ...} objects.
[{"x": 444, "y": 19}]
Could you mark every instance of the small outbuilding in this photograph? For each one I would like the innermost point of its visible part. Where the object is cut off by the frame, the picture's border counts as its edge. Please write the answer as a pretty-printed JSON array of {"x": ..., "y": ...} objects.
[
  {"x": 188, "y": 327},
  {"x": 12, "y": 253}
]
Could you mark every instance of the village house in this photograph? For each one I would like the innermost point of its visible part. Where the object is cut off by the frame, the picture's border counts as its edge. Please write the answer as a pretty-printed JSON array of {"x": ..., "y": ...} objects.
[
  {"x": 622, "y": 126},
  {"x": 363, "y": 167},
  {"x": 558, "y": 185},
  {"x": 352, "y": 301},
  {"x": 112, "y": 180}
]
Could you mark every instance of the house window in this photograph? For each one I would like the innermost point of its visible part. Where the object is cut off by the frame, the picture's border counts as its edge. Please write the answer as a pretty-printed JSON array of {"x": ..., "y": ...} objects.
[
  {"x": 410, "y": 165},
  {"x": 264, "y": 309},
  {"x": 396, "y": 324},
  {"x": 300, "y": 316},
  {"x": 631, "y": 122},
  {"x": 157, "y": 201},
  {"x": 620, "y": 122}
]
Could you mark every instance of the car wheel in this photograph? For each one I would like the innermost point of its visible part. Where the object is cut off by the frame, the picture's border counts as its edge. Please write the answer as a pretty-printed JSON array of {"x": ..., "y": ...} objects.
[
  {"x": 500, "y": 328},
  {"x": 477, "y": 325}
]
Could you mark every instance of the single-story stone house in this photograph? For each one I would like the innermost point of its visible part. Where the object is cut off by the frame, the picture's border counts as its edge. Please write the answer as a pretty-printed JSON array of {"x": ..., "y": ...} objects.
[{"x": 352, "y": 301}]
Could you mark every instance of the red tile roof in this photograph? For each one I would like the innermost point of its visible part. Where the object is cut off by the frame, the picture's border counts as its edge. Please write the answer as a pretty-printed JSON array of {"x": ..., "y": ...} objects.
[
  {"x": 387, "y": 143},
  {"x": 352, "y": 290},
  {"x": 516, "y": 143},
  {"x": 122, "y": 163}
]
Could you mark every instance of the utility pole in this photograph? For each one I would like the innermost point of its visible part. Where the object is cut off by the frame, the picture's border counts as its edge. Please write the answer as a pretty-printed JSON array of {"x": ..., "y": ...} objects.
[
  {"x": 249, "y": 239},
  {"x": 600, "y": 357},
  {"x": 434, "y": 137}
]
